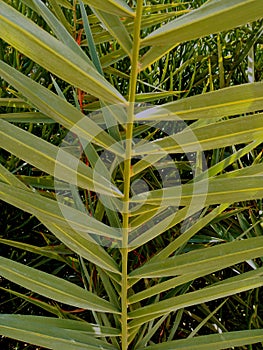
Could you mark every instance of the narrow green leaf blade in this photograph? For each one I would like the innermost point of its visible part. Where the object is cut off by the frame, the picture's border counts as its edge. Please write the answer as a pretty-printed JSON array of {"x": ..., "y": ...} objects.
[
  {"x": 212, "y": 259},
  {"x": 91, "y": 44},
  {"x": 61, "y": 16},
  {"x": 213, "y": 17},
  {"x": 53, "y": 287},
  {"x": 154, "y": 54},
  {"x": 213, "y": 341},
  {"x": 219, "y": 190},
  {"x": 233, "y": 285},
  {"x": 189, "y": 232},
  {"x": 51, "y": 309},
  {"x": 116, "y": 7},
  {"x": 26, "y": 117},
  {"x": 230, "y": 101},
  {"x": 47, "y": 251},
  {"x": 53, "y": 333},
  {"x": 48, "y": 158},
  {"x": 14, "y": 103},
  {"x": 57, "y": 27},
  {"x": 59, "y": 109},
  {"x": 83, "y": 246},
  {"x": 65, "y": 230},
  {"x": 117, "y": 29},
  {"x": 156, "y": 225},
  {"x": 211, "y": 136},
  {"x": 223, "y": 164},
  {"x": 112, "y": 57},
  {"x": 55, "y": 212},
  {"x": 53, "y": 55},
  {"x": 63, "y": 324},
  {"x": 11, "y": 179}
]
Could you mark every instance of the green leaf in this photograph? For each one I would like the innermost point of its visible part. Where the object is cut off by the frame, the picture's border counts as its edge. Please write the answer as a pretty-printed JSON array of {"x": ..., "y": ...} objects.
[
  {"x": 159, "y": 7},
  {"x": 65, "y": 324},
  {"x": 212, "y": 259},
  {"x": 256, "y": 169},
  {"x": 112, "y": 57},
  {"x": 230, "y": 101},
  {"x": 55, "y": 310},
  {"x": 117, "y": 29},
  {"x": 152, "y": 330},
  {"x": 154, "y": 54},
  {"x": 175, "y": 282},
  {"x": 188, "y": 232},
  {"x": 26, "y": 117},
  {"x": 10, "y": 179},
  {"x": 91, "y": 44},
  {"x": 146, "y": 162},
  {"x": 213, "y": 17},
  {"x": 216, "y": 191},
  {"x": 220, "y": 166},
  {"x": 56, "y": 212},
  {"x": 58, "y": 109},
  {"x": 212, "y": 341},
  {"x": 211, "y": 136},
  {"x": 84, "y": 247},
  {"x": 170, "y": 249},
  {"x": 14, "y": 103},
  {"x": 230, "y": 286},
  {"x": 156, "y": 225},
  {"x": 57, "y": 27},
  {"x": 56, "y": 9},
  {"x": 115, "y": 7},
  {"x": 43, "y": 182},
  {"x": 54, "y": 333},
  {"x": 51, "y": 159},
  {"x": 61, "y": 26},
  {"x": 63, "y": 3},
  {"x": 53, "y": 287},
  {"x": 53, "y": 55},
  {"x": 101, "y": 36},
  {"x": 50, "y": 252},
  {"x": 154, "y": 96},
  {"x": 79, "y": 242}
]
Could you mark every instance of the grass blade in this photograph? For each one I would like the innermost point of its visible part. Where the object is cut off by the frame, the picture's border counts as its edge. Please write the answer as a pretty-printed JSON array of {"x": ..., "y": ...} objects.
[
  {"x": 65, "y": 324},
  {"x": 57, "y": 27},
  {"x": 26, "y": 117},
  {"x": 53, "y": 333},
  {"x": 48, "y": 158},
  {"x": 219, "y": 190},
  {"x": 91, "y": 43},
  {"x": 115, "y": 7},
  {"x": 214, "y": 258},
  {"x": 213, "y": 17},
  {"x": 53, "y": 55},
  {"x": 53, "y": 287},
  {"x": 59, "y": 109},
  {"x": 230, "y": 101},
  {"x": 213, "y": 341},
  {"x": 233, "y": 285},
  {"x": 56, "y": 213},
  {"x": 117, "y": 29},
  {"x": 211, "y": 136},
  {"x": 81, "y": 244}
]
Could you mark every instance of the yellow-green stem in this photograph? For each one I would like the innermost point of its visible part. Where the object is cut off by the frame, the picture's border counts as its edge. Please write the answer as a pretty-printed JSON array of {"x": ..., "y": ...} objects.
[{"x": 127, "y": 173}]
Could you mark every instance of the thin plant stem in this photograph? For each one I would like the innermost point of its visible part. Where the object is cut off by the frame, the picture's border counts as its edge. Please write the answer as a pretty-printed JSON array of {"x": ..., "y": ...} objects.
[{"x": 127, "y": 173}]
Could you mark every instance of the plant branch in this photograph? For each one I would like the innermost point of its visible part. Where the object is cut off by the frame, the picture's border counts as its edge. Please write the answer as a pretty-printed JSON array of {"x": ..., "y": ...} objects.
[{"x": 127, "y": 173}]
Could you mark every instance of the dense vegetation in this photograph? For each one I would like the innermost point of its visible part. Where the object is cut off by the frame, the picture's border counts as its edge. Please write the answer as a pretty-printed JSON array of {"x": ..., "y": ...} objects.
[{"x": 131, "y": 174}]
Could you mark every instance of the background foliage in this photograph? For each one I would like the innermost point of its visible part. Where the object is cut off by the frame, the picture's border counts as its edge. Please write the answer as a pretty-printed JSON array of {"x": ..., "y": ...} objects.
[{"x": 183, "y": 280}]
